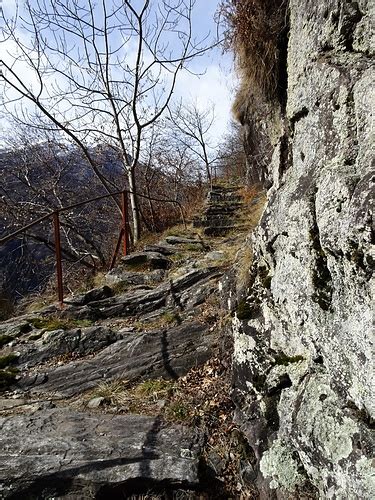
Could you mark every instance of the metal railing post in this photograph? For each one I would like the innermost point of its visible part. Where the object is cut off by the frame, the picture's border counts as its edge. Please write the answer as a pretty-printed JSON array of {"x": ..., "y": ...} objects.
[
  {"x": 124, "y": 203},
  {"x": 59, "y": 275},
  {"x": 124, "y": 236}
]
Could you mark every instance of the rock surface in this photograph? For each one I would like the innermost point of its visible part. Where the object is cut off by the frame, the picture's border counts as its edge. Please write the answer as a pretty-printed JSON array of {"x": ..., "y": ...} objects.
[
  {"x": 147, "y": 327},
  {"x": 79, "y": 341},
  {"x": 92, "y": 456},
  {"x": 303, "y": 345},
  {"x": 152, "y": 260},
  {"x": 143, "y": 300},
  {"x": 168, "y": 353}
]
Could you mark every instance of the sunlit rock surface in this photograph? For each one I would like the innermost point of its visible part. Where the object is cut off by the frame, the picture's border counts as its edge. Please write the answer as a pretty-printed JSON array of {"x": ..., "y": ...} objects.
[{"x": 303, "y": 353}]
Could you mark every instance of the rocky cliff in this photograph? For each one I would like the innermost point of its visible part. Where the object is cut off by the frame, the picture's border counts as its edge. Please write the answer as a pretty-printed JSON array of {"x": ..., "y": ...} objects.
[{"x": 302, "y": 354}]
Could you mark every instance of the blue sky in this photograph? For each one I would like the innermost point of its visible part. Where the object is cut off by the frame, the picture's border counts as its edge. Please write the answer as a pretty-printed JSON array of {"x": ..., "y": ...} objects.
[{"x": 215, "y": 83}]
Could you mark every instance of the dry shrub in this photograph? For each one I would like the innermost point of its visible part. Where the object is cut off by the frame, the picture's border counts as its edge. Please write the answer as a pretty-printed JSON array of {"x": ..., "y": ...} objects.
[{"x": 254, "y": 32}]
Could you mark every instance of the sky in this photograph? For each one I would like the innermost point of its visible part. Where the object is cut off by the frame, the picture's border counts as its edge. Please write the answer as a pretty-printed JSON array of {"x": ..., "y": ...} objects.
[
  {"x": 215, "y": 82},
  {"x": 218, "y": 82}
]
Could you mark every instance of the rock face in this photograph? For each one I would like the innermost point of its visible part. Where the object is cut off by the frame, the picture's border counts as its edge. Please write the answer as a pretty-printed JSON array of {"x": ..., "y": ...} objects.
[
  {"x": 167, "y": 353},
  {"x": 92, "y": 456},
  {"x": 302, "y": 353}
]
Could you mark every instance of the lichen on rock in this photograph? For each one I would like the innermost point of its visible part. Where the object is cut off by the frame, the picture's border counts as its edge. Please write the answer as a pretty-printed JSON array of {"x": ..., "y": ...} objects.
[{"x": 313, "y": 263}]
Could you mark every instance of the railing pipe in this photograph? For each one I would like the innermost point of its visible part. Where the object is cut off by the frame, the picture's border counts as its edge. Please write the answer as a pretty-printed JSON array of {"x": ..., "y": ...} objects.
[
  {"x": 124, "y": 233},
  {"x": 24, "y": 228}
]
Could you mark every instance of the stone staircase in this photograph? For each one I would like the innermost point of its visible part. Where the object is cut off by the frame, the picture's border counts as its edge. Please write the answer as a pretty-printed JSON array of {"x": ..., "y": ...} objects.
[
  {"x": 147, "y": 322},
  {"x": 220, "y": 214}
]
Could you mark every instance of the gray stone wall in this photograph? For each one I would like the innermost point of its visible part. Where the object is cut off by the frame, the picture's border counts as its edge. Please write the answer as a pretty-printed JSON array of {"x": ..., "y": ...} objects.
[{"x": 303, "y": 348}]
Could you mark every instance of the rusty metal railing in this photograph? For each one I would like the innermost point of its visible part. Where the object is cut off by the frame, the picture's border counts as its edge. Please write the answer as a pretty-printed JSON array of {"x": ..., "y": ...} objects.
[{"x": 123, "y": 235}]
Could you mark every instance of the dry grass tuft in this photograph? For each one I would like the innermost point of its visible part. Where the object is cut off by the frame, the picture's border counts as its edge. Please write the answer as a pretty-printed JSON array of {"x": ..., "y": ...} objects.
[{"x": 254, "y": 32}]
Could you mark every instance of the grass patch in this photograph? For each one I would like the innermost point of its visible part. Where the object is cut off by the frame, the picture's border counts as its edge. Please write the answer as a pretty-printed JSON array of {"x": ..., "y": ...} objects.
[
  {"x": 141, "y": 398},
  {"x": 180, "y": 231},
  {"x": 154, "y": 388},
  {"x": 111, "y": 391},
  {"x": 192, "y": 247},
  {"x": 137, "y": 266},
  {"x": 178, "y": 411},
  {"x": 167, "y": 318},
  {"x": 244, "y": 261},
  {"x": 51, "y": 324},
  {"x": 170, "y": 317},
  {"x": 120, "y": 287},
  {"x": 178, "y": 257},
  {"x": 254, "y": 31}
]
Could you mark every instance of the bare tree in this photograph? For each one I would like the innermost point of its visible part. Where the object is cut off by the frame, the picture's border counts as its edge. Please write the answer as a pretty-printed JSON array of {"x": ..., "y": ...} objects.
[
  {"x": 39, "y": 175},
  {"x": 232, "y": 160},
  {"x": 168, "y": 170},
  {"x": 98, "y": 73},
  {"x": 193, "y": 127}
]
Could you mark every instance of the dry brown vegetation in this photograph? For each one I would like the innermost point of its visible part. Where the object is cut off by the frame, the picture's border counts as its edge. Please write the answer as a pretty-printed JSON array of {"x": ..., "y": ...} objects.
[
  {"x": 254, "y": 33},
  {"x": 199, "y": 399}
]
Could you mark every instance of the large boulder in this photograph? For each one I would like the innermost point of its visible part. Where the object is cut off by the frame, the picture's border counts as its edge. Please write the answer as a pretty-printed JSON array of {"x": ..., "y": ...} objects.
[{"x": 62, "y": 453}]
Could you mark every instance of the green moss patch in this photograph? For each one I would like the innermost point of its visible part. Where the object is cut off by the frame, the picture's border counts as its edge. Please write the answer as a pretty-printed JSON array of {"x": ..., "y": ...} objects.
[
  {"x": 5, "y": 339},
  {"x": 8, "y": 359},
  {"x": 284, "y": 360},
  {"x": 51, "y": 324},
  {"x": 7, "y": 377}
]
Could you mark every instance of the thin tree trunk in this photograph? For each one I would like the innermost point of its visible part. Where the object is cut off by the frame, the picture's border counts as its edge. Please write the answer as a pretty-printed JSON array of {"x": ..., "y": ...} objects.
[{"x": 134, "y": 205}]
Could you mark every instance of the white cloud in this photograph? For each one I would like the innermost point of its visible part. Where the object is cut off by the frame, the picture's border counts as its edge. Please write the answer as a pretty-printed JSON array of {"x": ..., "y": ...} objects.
[{"x": 216, "y": 87}]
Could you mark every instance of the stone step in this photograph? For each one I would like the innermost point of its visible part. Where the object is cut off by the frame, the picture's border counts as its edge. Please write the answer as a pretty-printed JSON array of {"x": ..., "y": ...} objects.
[
  {"x": 62, "y": 453},
  {"x": 223, "y": 209},
  {"x": 226, "y": 189},
  {"x": 217, "y": 197},
  {"x": 223, "y": 230}
]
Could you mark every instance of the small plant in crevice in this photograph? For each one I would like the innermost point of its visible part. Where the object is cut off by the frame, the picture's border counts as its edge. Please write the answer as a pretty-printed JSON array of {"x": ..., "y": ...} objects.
[
  {"x": 5, "y": 339},
  {"x": 111, "y": 391},
  {"x": 284, "y": 360},
  {"x": 8, "y": 377},
  {"x": 244, "y": 310},
  {"x": 264, "y": 276},
  {"x": 178, "y": 411},
  {"x": 8, "y": 373},
  {"x": 155, "y": 388},
  {"x": 321, "y": 277}
]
